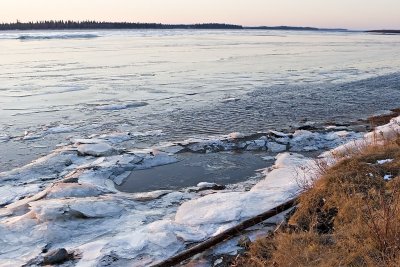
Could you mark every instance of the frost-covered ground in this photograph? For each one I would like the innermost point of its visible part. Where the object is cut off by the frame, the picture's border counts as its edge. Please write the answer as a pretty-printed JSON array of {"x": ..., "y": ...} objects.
[{"x": 68, "y": 199}]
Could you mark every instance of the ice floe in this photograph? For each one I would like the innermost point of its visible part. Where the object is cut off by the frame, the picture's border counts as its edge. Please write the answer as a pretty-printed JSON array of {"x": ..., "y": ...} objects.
[
  {"x": 209, "y": 186},
  {"x": 32, "y": 136},
  {"x": 10, "y": 193},
  {"x": 48, "y": 130},
  {"x": 273, "y": 141},
  {"x": 4, "y": 138},
  {"x": 60, "y": 129},
  {"x": 111, "y": 107},
  {"x": 97, "y": 150},
  {"x": 304, "y": 140}
]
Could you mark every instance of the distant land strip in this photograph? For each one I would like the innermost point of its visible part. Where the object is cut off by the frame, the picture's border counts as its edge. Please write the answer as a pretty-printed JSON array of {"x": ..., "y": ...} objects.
[
  {"x": 385, "y": 31},
  {"x": 92, "y": 25}
]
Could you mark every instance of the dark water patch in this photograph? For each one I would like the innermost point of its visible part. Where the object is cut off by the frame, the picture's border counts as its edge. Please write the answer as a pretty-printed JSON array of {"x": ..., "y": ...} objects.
[
  {"x": 220, "y": 168},
  {"x": 283, "y": 107}
]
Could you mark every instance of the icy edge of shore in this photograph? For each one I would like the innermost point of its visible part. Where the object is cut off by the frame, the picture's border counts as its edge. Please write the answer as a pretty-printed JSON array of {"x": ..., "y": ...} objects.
[{"x": 68, "y": 200}]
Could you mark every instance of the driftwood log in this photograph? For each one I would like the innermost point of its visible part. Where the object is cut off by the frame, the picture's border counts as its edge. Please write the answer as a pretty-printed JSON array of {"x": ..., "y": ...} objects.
[{"x": 225, "y": 235}]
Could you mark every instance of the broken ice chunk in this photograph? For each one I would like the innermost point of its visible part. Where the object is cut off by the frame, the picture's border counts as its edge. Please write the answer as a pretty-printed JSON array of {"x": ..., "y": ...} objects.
[
  {"x": 275, "y": 147},
  {"x": 97, "y": 150}
]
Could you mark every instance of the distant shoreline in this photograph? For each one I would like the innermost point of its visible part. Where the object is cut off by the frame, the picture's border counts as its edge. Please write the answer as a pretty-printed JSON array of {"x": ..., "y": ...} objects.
[
  {"x": 385, "y": 31},
  {"x": 102, "y": 25},
  {"x": 95, "y": 25}
]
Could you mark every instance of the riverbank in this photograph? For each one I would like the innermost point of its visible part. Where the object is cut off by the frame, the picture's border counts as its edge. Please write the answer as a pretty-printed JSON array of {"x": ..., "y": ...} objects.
[
  {"x": 349, "y": 216},
  {"x": 68, "y": 200}
]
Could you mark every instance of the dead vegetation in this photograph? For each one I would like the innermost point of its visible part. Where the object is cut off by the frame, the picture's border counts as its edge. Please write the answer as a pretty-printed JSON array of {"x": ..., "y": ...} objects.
[{"x": 348, "y": 217}]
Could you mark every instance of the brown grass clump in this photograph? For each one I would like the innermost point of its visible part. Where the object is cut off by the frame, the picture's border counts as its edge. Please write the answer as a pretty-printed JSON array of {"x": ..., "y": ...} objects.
[{"x": 348, "y": 217}]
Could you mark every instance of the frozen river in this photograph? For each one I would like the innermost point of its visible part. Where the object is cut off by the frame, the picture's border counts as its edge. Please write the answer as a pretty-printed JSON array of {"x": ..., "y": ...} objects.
[
  {"x": 126, "y": 147},
  {"x": 58, "y": 85}
]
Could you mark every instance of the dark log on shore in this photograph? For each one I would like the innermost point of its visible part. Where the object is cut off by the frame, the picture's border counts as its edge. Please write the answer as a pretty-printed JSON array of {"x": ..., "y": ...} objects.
[{"x": 227, "y": 234}]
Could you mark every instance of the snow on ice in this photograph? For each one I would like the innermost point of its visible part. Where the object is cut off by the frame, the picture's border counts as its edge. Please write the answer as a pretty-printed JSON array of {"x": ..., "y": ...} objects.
[{"x": 67, "y": 199}]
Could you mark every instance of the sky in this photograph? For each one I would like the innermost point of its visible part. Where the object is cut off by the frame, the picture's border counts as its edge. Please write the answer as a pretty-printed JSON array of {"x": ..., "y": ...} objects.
[{"x": 351, "y": 14}]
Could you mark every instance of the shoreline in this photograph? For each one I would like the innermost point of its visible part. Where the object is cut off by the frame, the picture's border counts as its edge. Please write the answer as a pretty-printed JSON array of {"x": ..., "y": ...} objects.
[
  {"x": 80, "y": 196},
  {"x": 102, "y": 25},
  {"x": 335, "y": 212}
]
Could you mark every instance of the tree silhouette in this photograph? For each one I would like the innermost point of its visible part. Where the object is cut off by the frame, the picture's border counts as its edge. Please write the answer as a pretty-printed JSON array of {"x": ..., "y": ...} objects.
[{"x": 88, "y": 25}]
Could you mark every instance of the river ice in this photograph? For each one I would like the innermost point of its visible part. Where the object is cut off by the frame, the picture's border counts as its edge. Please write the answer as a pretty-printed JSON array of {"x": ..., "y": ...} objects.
[
  {"x": 54, "y": 85},
  {"x": 74, "y": 126},
  {"x": 68, "y": 200}
]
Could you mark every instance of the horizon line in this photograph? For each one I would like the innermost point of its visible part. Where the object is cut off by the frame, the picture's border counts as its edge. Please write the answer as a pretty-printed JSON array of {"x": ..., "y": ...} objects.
[
  {"x": 167, "y": 24},
  {"x": 189, "y": 24}
]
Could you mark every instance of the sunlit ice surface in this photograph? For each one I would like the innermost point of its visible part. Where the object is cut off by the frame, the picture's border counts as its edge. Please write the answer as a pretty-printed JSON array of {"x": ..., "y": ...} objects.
[{"x": 58, "y": 84}]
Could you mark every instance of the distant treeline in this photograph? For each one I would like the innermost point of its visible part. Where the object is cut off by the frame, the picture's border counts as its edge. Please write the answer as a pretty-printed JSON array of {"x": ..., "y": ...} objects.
[
  {"x": 84, "y": 25},
  {"x": 292, "y": 28},
  {"x": 386, "y": 31}
]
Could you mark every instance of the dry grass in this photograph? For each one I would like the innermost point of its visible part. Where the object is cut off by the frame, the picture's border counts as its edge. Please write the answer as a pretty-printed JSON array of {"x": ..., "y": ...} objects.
[{"x": 348, "y": 217}]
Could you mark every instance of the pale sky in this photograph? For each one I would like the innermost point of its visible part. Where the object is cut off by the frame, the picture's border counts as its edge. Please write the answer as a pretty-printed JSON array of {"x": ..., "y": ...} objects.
[{"x": 352, "y": 14}]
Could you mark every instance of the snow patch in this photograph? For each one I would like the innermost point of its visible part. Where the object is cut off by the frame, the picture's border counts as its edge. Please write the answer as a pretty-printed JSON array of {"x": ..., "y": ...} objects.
[
  {"x": 388, "y": 177},
  {"x": 387, "y": 131},
  {"x": 384, "y": 161}
]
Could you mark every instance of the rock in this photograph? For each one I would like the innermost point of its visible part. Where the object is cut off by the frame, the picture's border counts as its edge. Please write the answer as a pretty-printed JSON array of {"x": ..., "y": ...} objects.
[
  {"x": 71, "y": 180},
  {"x": 56, "y": 256},
  {"x": 307, "y": 128},
  {"x": 46, "y": 248},
  {"x": 68, "y": 162},
  {"x": 97, "y": 150},
  {"x": 244, "y": 242}
]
